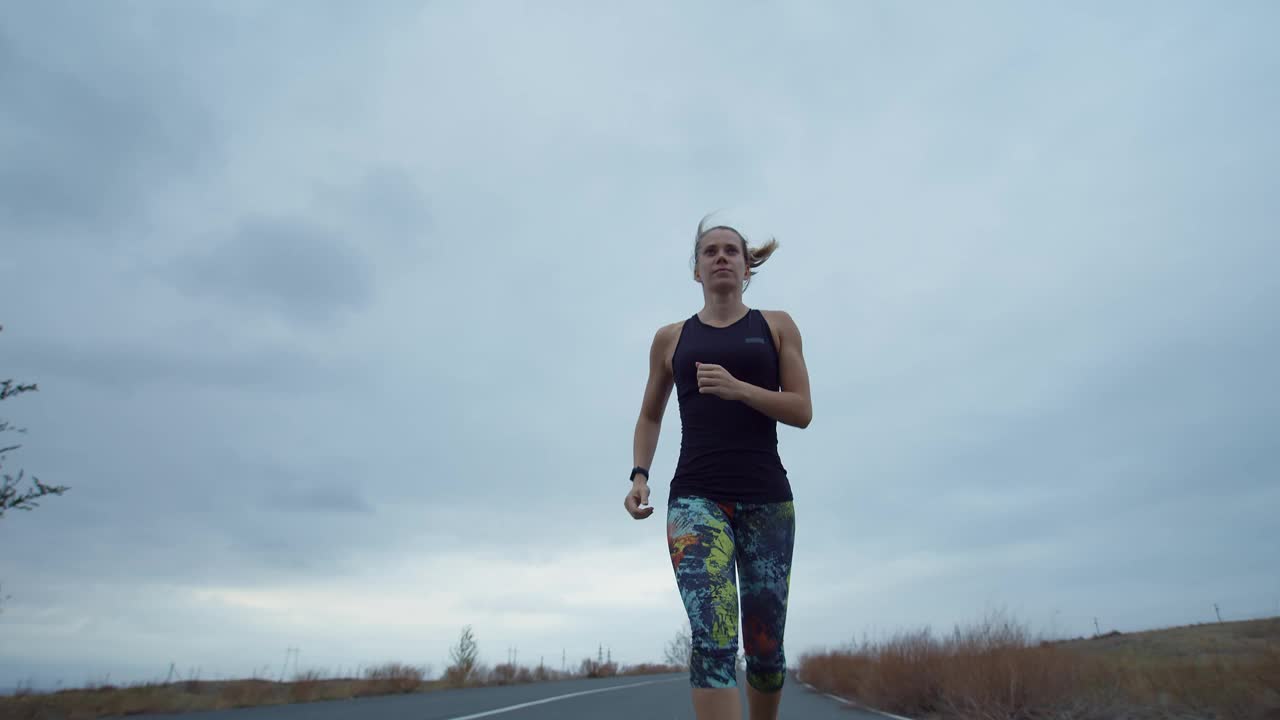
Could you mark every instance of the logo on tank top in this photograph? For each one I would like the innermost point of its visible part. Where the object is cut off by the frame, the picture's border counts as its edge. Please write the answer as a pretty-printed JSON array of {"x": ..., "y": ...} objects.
[{"x": 756, "y": 340}]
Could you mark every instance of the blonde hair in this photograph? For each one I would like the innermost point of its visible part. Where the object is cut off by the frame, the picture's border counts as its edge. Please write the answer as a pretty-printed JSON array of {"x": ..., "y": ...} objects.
[{"x": 755, "y": 256}]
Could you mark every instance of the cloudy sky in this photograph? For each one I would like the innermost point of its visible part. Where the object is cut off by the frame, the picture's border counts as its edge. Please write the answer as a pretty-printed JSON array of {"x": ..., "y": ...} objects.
[{"x": 340, "y": 318}]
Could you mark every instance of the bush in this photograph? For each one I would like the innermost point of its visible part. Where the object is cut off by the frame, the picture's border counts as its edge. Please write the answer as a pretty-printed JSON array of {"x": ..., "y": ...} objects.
[
  {"x": 679, "y": 650},
  {"x": 465, "y": 655},
  {"x": 395, "y": 677},
  {"x": 597, "y": 668}
]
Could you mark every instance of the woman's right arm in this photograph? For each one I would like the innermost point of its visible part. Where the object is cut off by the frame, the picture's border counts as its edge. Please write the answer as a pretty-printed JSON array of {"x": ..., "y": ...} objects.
[{"x": 657, "y": 392}]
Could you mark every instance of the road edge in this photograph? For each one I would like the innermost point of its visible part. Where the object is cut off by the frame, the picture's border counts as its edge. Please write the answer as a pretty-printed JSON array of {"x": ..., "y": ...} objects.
[{"x": 848, "y": 701}]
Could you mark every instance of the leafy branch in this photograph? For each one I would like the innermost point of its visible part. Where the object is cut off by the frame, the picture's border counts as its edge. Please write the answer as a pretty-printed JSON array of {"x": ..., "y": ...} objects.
[{"x": 10, "y": 496}]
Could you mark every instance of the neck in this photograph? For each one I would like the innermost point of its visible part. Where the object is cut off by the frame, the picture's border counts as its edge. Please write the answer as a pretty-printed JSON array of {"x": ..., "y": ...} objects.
[{"x": 721, "y": 309}]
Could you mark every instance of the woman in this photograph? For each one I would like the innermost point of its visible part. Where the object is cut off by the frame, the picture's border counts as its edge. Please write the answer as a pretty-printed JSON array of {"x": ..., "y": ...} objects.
[{"x": 737, "y": 372}]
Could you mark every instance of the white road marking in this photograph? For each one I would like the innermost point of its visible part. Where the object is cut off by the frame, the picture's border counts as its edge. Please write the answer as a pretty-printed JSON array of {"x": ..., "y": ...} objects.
[
  {"x": 896, "y": 717},
  {"x": 509, "y": 708},
  {"x": 847, "y": 701}
]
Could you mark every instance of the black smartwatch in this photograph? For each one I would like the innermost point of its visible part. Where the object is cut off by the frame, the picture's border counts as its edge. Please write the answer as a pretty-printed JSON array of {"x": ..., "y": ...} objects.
[{"x": 642, "y": 471}]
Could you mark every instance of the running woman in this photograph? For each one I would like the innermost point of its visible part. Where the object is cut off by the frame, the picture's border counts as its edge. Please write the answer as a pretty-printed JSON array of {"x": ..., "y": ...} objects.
[{"x": 737, "y": 372}]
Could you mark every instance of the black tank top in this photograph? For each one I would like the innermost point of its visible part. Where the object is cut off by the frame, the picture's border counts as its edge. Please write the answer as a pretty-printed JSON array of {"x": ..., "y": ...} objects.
[{"x": 728, "y": 449}]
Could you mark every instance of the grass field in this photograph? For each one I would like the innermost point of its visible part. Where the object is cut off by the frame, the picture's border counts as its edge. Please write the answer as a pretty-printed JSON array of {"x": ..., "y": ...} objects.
[
  {"x": 992, "y": 670},
  {"x": 995, "y": 670},
  {"x": 192, "y": 695}
]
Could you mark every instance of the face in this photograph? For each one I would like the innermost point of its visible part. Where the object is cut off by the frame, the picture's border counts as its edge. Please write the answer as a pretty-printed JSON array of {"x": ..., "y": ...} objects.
[{"x": 721, "y": 264}]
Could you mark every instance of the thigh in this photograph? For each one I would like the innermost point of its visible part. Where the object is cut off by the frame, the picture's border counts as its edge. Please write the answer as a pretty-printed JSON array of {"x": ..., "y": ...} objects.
[
  {"x": 700, "y": 538},
  {"x": 765, "y": 541}
]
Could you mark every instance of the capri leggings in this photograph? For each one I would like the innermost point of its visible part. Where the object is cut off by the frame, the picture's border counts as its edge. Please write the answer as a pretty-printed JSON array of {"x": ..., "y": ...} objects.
[{"x": 707, "y": 539}]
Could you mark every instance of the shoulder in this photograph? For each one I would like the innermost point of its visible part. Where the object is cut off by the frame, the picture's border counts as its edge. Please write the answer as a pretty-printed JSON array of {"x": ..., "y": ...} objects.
[
  {"x": 783, "y": 327},
  {"x": 669, "y": 332},
  {"x": 781, "y": 320},
  {"x": 664, "y": 345},
  {"x": 667, "y": 335}
]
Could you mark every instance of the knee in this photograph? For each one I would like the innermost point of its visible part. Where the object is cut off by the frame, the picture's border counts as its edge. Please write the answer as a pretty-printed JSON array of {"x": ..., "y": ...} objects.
[
  {"x": 766, "y": 681},
  {"x": 767, "y": 672},
  {"x": 711, "y": 666}
]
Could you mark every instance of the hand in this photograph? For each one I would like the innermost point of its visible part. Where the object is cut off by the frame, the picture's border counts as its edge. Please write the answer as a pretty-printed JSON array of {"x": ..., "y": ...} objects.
[
  {"x": 638, "y": 496},
  {"x": 715, "y": 380}
]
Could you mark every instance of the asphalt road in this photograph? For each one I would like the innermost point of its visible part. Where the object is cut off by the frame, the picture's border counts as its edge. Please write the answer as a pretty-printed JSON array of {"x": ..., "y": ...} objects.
[{"x": 646, "y": 697}]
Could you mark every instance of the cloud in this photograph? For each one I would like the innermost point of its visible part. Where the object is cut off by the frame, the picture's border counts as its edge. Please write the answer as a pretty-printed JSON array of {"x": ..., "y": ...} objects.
[
  {"x": 87, "y": 134},
  {"x": 304, "y": 273},
  {"x": 346, "y": 348},
  {"x": 159, "y": 363},
  {"x": 385, "y": 207}
]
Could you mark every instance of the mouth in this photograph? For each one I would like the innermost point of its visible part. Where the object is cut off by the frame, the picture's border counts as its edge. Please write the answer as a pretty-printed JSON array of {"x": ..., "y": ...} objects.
[{"x": 722, "y": 270}]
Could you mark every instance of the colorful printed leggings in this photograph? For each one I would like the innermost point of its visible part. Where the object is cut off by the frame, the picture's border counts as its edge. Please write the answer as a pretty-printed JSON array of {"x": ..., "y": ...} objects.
[{"x": 705, "y": 538}]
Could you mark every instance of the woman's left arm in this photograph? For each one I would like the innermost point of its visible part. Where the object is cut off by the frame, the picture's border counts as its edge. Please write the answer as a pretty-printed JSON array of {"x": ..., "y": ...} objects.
[{"x": 791, "y": 405}]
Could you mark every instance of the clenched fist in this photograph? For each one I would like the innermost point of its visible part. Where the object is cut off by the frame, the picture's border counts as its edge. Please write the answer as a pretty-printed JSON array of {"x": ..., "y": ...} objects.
[
  {"x": 638, "y": 496},
  {"x": 715, "y": 380}
]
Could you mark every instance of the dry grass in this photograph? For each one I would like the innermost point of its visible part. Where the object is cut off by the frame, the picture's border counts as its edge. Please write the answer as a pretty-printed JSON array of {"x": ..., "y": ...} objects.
[
  {"x": 995, "y": 670},
  {"x": 652, "y": 669},
  {"x": 310, "y": 686}
]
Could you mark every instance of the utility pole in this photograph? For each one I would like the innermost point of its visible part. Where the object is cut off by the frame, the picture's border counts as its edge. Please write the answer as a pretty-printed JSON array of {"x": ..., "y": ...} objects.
[{"x": 1215, "y": 612}]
